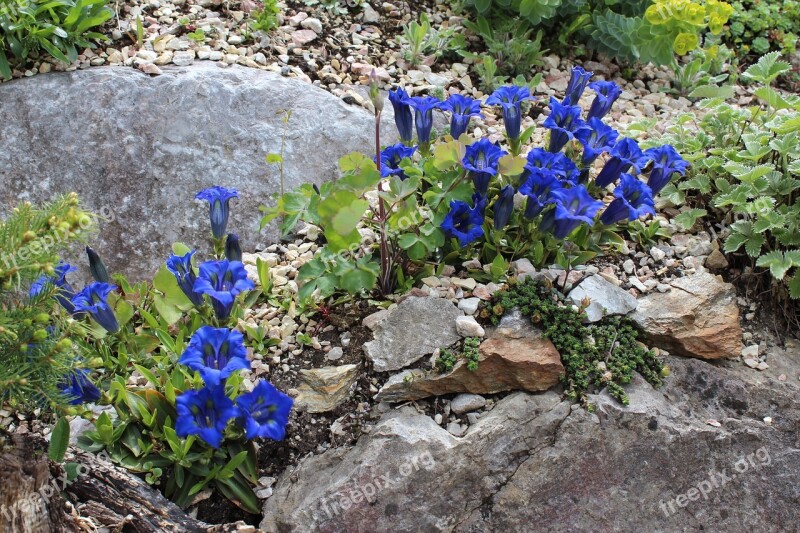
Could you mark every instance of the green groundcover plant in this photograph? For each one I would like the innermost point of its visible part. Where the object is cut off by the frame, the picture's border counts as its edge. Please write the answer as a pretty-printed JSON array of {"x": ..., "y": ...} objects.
[
  {"x": 746, "y": 164},
  {"x": 58, "y": 27},
  {"x": 454, "y": 197},
  {"x": 758, "y": 26}
]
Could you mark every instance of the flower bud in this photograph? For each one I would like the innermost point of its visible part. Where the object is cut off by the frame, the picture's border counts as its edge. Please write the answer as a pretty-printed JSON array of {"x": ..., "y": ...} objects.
[
  {"x": 375, "y": 92},
  {"x": 40, "y": 335},
  {"x": 96, "y": 266},
  {"x": 43, "y": 318}
]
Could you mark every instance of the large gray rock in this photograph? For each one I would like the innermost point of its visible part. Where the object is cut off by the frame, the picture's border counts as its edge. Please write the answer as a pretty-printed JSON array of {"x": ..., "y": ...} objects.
[
  {"x": 139, "y": 148},
  {"x": 536, "y": 463},
  {"x": 416, "y": 328},
  {"x": 604, "y": 297}
]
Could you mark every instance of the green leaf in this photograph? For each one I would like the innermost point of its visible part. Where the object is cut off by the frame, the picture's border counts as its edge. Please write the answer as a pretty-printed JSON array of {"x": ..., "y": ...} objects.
[
  {"x": 794, "y": 287},
  {"x": 778, "y": 264},
  {"x": 687, "y": 219},
  {"x": 767, "y": 68},
  {"x": 713, "y": 91},
  {"x": 59, "y": 440}
]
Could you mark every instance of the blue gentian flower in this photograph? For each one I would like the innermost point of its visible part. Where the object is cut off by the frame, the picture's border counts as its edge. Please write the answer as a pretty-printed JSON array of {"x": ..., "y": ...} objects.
[
  {"x": 561, "y": 165},
  {"x": 181, "y": 268},
  {"x": 596, "y": 139},
  {"x": 93, "y": 299},
  {"x": 510, "y": 98},
  {"x": 216, "y": 353},
  {"x": 222, "y": 281},
  {"x": 403, "y": 118},
  {"x": 79, "y": 388},
  {"x": 204, "y": 413},
  {"x": 233, "y": 248},
  {"x": 625, "y": 155},
  {"x": 607, "y": 94},
  {"x": 481, "y": 160},
  {"x": 64, "y": 292},
  {"x": 463, "y": 222},
  {"x": 666, "y": 162},
  {"x": 633, "y": 199},
  {"x": 461, "y": 108},
  {"x": 564, "y": 123},
  {"x": 577, "y": 84},
  {"x": 423, "y": 116},
  {"x": 537, "y": 187},
  {"x": 391, "y": 156},
  {"x": 218, "y": 199},
  {"x": 503, "y": 207},
  {"x": 265, "y": 411},
  {"x": 573, "y": 207}
]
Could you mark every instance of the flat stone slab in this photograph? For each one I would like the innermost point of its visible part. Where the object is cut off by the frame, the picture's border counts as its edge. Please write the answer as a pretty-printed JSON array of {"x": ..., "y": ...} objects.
[
  {"x": 416, "y": 328},
  {"x": 138, "y": 148},
  {"x": 605, "y": 298}
]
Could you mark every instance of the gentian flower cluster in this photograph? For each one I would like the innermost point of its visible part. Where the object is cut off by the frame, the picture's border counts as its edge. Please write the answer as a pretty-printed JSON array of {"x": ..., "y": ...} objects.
[
  {"x": 217, "y": 353},
  {"x": 557, "y": 187},
  {"x": 79, "y": 388}
]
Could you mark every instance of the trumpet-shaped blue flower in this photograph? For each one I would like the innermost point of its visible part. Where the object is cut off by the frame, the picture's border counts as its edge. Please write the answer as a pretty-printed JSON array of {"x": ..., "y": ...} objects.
[
  {"x": 264, "y": 411},
  {"x": 633, "y": 199},
  {"x": 503, "y": 207},
  {"x": 204, "y": 413},
  {"x": 79, "y": 388},
  {"x": 461, "y": 109},
  {"x": 391, "y": 156},
  {"x": 572, "y": 207},
  {"x": 577, "y": 84},
  {"x": 510, "y": 98},
  {"x": 222, "y": 281},
  {"x": 181, "y": 267},
  {"x": 423, "y": 116},
  {"x": 607, "y": 94},
  {"x": 537, "y": 187},
  {"x": 403, "y": 117},
  {"x": 93, "y": 299},
  {"x": 233, "y": 248},
  {"x": 564, "y": 123},
  {"x": 481, "y": 160},
  {"x": 463, "y": 222},
  {"x": 625, "y": 155},
  {"x": 666, "y": 162},
  {"x": 218, "y": 199},
  {"x": 561, "y": 165},
  {"x": 64, "y": 291},
  {"x": 216, "y": 353},
  {"x": 596, "y": 139}
]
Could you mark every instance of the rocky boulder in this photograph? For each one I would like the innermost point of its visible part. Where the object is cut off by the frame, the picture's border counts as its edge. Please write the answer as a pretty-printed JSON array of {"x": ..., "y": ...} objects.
[
  {"x": 514, "y": 357},
  {"x": 697, "y": 318},
  {"x": 417, "y": 327},
  {"x": 714, "y": 449},
  {"x": 137, "y": 149}
]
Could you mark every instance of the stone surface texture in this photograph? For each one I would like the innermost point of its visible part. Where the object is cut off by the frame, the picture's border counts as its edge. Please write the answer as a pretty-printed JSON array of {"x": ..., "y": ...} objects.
[
  {"x": 697, "y": 318},
  {"x": 417, "y": 327},
  {"x": 137, "y": 149},
  {"x": 537, "y": 463}
]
